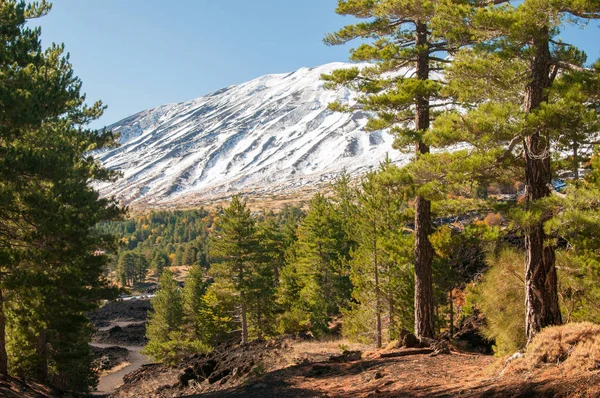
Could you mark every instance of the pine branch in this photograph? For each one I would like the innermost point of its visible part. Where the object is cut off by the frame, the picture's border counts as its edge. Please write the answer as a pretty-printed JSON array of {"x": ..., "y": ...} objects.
[
  {"x": 560, "y": 43},
  {"x": 442, "y": 60},
  {"x": 405, "y": 43},
  {"x": 582, "y": 14},
  {"x": 494, "y": 2},
  {"x": 554, "y": 74},
  {"x": 509, "y": 150},
  {"x": 431, "y": 106},
  {"x": 568, "y": 65},
  {"x": 441, "y": 46}
]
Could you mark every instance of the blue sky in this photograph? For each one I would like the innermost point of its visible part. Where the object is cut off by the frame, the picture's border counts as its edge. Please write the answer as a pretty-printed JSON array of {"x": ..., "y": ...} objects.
[{"x": 137, "y": 54}]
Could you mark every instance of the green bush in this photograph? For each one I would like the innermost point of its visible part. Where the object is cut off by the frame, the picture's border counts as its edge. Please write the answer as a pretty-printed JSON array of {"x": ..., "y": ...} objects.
[
  {"x": 501, "y": 298},
  {"x": 359, "y": 323},
  {"x": 579, "y": 292},
  {"x": 179, "y": 345}
]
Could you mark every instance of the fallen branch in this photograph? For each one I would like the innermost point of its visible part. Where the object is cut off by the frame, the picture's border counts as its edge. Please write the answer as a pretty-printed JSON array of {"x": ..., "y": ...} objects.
[{"x": 406, "y": 353}]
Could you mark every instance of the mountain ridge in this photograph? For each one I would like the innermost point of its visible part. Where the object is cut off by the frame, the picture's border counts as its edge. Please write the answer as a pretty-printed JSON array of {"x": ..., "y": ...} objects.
[{"x": 271, "y": 135}]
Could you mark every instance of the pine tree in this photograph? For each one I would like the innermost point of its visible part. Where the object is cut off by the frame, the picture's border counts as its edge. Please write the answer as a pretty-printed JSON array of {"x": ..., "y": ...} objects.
[
  {"x": 178, "y": 257},
  {"x": 194, "y": 305},
  {"x": 166, "y": 318},
  {"x": 236, "y": 247},
  {"x": 380, "y": 214},
  {"x": 399, "y": 87},
  {"x": 345, "y": 203},
  {"x": 126, "y": 268},
  {"x": 370, "y": 230},
  {"x": 576, "y": 222},
  {"x": 189, "y": 255},
  {"x": 517, "y": 86},
  {"x": 317, "y": 284},
  {"x": 47, "y": 207},
  {"x": 141, "y": 268},
  {"x": 159, "y": 262}
]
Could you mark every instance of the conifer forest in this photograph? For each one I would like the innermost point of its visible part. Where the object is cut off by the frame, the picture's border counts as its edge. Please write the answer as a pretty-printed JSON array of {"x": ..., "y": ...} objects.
[{"x": 483, "y": 242}]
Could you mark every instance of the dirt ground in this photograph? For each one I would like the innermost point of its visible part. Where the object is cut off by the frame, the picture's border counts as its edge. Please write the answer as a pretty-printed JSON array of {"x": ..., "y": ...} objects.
[
  {"x": 11, "y": 387},
  {"x": 304, "y": 369}
]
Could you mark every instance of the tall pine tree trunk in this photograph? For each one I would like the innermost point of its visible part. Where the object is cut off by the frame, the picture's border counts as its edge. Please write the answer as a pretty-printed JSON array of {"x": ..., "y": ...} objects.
[
  {"x": 390, "y": 300},
  {"x": 3, "y": 354},
  {"x": 42, "y": 352},
  {"x": 377, "y": 294},
  {"x": 244, "y": 320},
  {"x": 451, "y": 325},
  {"x": 541, "y": 292},
  {"x": 388, "y": 268},
  {"x": 259, "y": 320},
  {"x": 423, "y": 250},
  {"x": 576, "y": 161}
]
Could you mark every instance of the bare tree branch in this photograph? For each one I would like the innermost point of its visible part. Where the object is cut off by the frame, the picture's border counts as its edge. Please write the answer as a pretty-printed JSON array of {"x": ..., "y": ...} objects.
[
  {"x": 509, "y": 150},
  {"x": 568, "y": 65}
]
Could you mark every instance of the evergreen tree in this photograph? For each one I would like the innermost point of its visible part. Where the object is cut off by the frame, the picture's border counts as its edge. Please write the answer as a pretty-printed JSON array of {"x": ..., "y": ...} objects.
[
  {"x": 159, "y": 262},
  {"x": 367, "y": 261},
  {"x": 272, "y": 246},
  {"x": 194, "y": 305},
  {"x": 178, "y": 257},
  {"x": 236, "y": 247},
  {"x": 47, "y": 208},
  {"x": 345, "y": 202},
  {"x": 126, "y": 268},
  {"x": 189, "y": 255},
  {"x": 166, "y": 321},
  {"x": 380, "y": 215},
  {"x": 523, "y": 89},
  {"x": 141, "y": 268},
  {"x": 399, "y": 87},
  {"x": 317, "y": 285}
]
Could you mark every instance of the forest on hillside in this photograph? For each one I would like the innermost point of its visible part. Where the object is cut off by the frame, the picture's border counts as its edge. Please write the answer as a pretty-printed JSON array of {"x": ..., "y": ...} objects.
[{"x": 343, "y": 266}]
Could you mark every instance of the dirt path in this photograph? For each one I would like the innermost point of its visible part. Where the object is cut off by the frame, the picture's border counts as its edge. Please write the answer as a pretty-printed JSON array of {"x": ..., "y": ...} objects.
[{"x": 107, "y": 384}]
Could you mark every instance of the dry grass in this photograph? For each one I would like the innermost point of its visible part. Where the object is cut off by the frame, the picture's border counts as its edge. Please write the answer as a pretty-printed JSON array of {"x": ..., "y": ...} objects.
[
  {"x": 301, "y": 351},
  {"x": 326, "y": 347},
  {"x": 114, "y": 370},
  {"x": 574, "y": 347}
]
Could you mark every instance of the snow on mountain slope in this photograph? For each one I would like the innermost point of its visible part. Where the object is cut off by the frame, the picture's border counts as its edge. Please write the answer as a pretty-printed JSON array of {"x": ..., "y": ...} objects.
[{"x": 271, "y": 135}]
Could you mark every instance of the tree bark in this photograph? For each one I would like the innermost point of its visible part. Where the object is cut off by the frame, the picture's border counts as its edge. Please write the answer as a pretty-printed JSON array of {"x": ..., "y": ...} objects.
[
  {"x": 390, "y": 301},
  {"x": 451, "y": 300},
  {"x": 244, "y": 321},
  {"x": 388, "y": 265},
  {"x": 576, "y": 161},
  {"x": 377, "y": 295},
  {"x": 541, "y": 292},
  {"x": 42, "y": 352},
  {"x": 424, "y": 326},
  {"x": 3, "y": 354}
]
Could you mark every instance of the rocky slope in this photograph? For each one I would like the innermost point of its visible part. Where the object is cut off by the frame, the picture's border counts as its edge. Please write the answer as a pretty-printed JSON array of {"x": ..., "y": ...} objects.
[{"x": 271, "y": 135}]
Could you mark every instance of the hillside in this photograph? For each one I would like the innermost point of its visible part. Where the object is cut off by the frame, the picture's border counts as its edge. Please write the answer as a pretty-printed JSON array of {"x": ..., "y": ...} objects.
[
  {"x": 294, "y": 368},
  {"x": 271, "y": 135}
]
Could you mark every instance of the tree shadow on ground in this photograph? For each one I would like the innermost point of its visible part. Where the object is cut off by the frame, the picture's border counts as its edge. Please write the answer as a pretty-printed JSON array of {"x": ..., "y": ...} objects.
[{"x": 280, "y": 384}]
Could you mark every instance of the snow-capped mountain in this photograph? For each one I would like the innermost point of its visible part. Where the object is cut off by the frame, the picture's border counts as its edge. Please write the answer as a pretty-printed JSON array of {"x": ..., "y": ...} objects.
[{"x": 271, "y": 135}]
